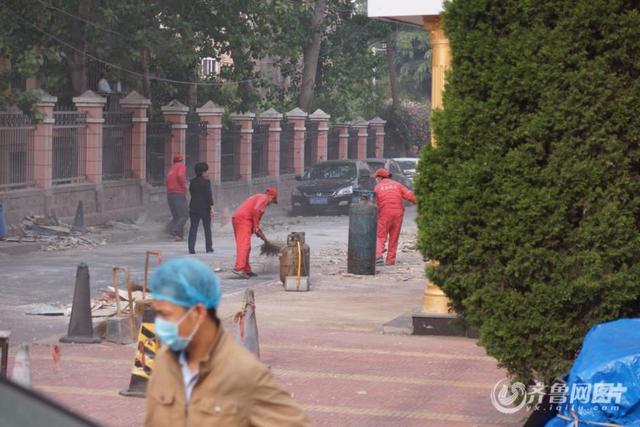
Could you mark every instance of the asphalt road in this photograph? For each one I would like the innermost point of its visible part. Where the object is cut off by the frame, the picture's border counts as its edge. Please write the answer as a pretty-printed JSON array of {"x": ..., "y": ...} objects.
[{"x": 48, "y": 277}]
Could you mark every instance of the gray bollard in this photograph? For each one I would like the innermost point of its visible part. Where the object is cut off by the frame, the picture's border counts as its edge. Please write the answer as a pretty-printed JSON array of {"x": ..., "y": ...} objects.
[
  {"x": 22, "y": 367},
  {"x": 80, "y": 324}
]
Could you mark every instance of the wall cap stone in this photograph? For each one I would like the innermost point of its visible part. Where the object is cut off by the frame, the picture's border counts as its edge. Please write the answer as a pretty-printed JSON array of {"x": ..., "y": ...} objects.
[
  {"x": 319, "y": 115},
  {"x": 90, "y": 97},
  {"x": 272, "y": 114},
  {"x": 296, "y": 113},
  {"x": 359, "y": 122},
  {"x": 45, "y": 99},
  {"x": 210, "y": 108},
  {"x": 134, "y": 99},
  {"x": 175, "y": 107},
  {"x": 377, "y": 121},
  {"x": 242, "y": 116}
]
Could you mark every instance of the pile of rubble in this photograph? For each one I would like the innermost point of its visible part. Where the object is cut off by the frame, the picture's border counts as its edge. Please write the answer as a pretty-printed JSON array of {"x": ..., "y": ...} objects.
[{"x": 51, "y": 233}]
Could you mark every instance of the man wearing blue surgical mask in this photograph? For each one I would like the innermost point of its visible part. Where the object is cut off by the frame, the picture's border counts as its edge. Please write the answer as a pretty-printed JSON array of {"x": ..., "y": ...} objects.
[{"x": 201, "y": 377}]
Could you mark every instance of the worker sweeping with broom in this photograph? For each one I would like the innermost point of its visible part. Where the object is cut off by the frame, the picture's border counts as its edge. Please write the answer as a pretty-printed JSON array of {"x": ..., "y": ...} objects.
[{"x": 246, "y": 222}]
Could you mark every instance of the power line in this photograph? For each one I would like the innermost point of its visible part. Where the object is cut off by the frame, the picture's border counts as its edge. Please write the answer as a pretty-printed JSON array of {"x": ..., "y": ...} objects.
[
  {"x": 116, "y": 66},
  {"x": 79, "y": 18}
]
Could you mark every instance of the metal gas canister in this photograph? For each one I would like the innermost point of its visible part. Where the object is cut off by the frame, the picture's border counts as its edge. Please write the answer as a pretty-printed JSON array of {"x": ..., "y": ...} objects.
[
  {"x": 363, "y": 224},
  {"x": 289, "y": 256}
]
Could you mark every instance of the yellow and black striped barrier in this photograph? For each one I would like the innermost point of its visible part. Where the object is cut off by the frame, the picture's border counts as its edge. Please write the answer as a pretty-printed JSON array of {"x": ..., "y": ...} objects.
[{"x": 145, "y": 354}]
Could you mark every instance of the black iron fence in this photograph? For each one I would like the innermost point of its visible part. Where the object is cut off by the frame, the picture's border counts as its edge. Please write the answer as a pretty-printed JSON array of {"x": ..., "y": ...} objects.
[
  {"x": 230, "y": 153},
  {"x": 196, "y": 135},
  {"x": 352, "y": 149},
  {"x": 333, "y": 145},
  {"x": 69, "y": 147},
  {"x": 259, "y": 150},
  {"x": 16, "y": 151},
  {"x": 286, "y": 148},
  {"x": 310, "y": 143},
  {"x": 371, "y": 142},
  {"x": 116, "y": 146},
  {"x": 158, "y": 142}
]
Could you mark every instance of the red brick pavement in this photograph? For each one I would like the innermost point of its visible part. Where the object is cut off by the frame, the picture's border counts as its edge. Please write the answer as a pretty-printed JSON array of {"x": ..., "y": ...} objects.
[{"x": 341, "y": 379}]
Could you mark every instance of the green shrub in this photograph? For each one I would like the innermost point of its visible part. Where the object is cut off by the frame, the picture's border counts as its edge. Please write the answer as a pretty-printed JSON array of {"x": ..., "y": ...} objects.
[{"x": 531, "y": 201}]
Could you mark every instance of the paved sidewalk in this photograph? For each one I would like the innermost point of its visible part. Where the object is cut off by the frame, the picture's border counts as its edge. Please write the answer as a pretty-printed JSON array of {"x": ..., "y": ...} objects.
[{"x": 326, "y": 347}]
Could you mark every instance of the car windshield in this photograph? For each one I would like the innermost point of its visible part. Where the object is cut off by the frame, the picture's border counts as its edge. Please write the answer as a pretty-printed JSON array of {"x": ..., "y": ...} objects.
[
  {"x": 333, "y": 171},
  {"x": 374, "y": 166},
  {"x": 407, "y": 164}
]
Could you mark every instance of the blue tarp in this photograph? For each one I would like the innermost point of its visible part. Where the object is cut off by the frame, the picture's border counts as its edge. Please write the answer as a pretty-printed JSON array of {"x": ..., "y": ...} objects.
[{"x": 604, "y": 382}]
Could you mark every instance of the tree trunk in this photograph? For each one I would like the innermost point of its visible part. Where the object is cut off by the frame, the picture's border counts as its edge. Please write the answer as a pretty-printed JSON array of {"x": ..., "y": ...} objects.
[
  {"x": 146, "y": 81},
  {"x": 311, "y": 54},
  {"x": 77, "y": 59},
  {"x": 393, "y": 74}
]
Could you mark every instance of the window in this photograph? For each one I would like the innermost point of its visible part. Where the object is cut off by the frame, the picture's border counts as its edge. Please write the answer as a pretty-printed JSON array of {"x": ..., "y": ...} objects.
[{"x": 335, "y": 171}]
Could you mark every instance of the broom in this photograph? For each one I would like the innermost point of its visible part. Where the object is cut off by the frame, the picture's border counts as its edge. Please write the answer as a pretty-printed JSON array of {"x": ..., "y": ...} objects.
[{"x": 270, "y": 248}]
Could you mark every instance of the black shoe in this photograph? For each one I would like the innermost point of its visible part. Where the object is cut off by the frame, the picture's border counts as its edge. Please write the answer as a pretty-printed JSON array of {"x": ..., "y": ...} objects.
[
  {"x": 209, "y": 251},
  {"x": 379, "y": 261},
  {"x": 252, "y": 274},
  {"x": 192, "y": 252},
  {"x": 240, "y": 274}
]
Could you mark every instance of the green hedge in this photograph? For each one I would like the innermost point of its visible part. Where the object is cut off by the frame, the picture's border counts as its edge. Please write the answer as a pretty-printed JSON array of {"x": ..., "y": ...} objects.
[{"x": 531, "y": 202}]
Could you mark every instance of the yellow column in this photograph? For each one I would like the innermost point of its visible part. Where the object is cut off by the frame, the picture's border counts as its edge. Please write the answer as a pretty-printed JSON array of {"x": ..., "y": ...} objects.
[{"x": 434, "y": 300}]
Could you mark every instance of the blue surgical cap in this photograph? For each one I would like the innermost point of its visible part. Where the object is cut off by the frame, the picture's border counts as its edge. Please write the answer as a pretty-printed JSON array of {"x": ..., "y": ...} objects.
[{"x": 186, "y": 282}]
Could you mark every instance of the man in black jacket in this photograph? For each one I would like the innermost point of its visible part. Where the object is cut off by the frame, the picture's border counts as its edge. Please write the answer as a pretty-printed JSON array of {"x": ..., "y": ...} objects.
[{"x": 200, "y": 207}]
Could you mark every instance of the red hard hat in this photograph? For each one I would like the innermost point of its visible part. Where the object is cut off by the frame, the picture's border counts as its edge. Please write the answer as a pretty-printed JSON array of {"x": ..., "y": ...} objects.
[
  {"x": 272, "y": 191},
  {"x": 382, "y": 173},
  {"x": 177, "y": 158}
]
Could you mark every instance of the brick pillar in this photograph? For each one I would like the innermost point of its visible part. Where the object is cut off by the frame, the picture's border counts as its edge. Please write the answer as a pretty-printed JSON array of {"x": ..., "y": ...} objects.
[
  {"x": 138, "y": 105},
  {"x": 322, "y": 119},
  {"x": 297, "y": 117},
  {"x": 43, "y": 142},
  {"x": 92, "y": 104},
  {"x": 272, "y": 119},
  {"x": 343, "y": 140},
  {"x": 210, "y": 151},
  {"x": 245, "y": 120},
  {"x": 361, "y": 125},
  {"x": 377, "y": 125},
  {"x": 176, "y": 113}
]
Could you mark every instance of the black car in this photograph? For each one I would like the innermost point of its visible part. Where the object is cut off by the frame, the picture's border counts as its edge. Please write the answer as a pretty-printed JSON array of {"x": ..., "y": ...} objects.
[
  {"x": 332, "y": 185},
  {"x": 394, "y": 169}
]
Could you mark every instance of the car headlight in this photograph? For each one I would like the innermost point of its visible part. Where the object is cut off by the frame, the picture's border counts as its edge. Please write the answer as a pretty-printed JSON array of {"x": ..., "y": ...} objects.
[{"x": 344, "y": 191}]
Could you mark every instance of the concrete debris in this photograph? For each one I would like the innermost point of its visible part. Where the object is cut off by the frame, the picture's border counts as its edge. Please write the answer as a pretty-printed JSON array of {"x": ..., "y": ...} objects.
[
  {"x": 44, "y": 309},
  {"x": 122, "y": 225},
  {"x": 52, "y": 234}
]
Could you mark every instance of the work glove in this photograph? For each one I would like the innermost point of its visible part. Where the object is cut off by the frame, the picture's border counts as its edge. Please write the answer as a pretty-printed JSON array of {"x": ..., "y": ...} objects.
[{"x": 258, "y": 232}]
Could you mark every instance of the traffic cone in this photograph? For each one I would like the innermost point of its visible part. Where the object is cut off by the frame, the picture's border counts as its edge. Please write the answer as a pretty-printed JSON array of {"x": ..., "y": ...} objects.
[
  {"x": 145, "y": 353},
  {"x": 80, "y": 324},
  {"x": 22, "y": 367},
  {"x": 247, "y": 332},
  {"x": 78, "y": 221}
]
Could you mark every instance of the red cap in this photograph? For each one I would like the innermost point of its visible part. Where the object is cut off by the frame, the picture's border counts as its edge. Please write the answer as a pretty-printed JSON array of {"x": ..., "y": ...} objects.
[
  {"x": 177, "y": 158},
  {"x": 382, "y": 173},
  {"x": 272, "y": 191}
]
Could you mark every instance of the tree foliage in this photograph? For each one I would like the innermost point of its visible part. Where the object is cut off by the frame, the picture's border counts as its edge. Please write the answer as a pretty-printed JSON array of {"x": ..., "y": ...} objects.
[{"x": 531, "y": 200}]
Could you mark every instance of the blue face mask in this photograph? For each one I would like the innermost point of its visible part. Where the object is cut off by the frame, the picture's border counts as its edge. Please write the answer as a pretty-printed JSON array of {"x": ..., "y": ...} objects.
[{"x": 169, "y": 335}]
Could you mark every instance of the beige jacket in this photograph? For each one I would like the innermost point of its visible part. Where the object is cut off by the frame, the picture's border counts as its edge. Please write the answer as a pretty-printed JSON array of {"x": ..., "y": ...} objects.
[{"x": 233, "y": 389}]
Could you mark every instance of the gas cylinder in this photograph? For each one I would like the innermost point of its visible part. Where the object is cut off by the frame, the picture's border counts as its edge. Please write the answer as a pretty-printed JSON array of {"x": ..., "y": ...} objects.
[
  {"x": 363, "y": 224},
  {"x": 289, "y": 256}
]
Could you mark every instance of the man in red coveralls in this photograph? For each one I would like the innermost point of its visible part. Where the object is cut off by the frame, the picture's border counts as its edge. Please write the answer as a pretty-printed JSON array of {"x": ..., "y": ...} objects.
[
  {"x": 177, "y": 197},
  {"x": 246, "y": 221},
  {"x": 390, "y": 197}
]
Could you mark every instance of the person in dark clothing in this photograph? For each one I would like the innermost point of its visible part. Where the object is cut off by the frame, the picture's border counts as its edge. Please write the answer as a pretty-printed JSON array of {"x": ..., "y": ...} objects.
[{"x": 200, "y": 207}]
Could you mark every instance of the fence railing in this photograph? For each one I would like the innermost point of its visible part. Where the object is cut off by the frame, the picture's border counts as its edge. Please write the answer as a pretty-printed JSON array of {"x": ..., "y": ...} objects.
[
  {"x": 230, "y": 154},
  {"x": 158, "y": 142},
  {"x": 69, "y": 147},
  {"x": 352, "y": 149},
  {"x": 333, "y": 145},
  {"x": 310, "y": 143},
  {"x": 17, "y": 133},
  {"x": 286, "y": 148},
  {"x": 259, "y": 149},
  {"x": 196, "y": 135},
  {"x": 371, "y": 142},
  {"x": 116, "y": 146}
]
